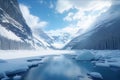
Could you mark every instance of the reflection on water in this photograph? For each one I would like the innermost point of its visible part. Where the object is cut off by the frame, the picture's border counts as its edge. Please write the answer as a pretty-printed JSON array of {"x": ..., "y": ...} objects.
[
  {"x": 64, "y": 68},
  {"x": 58, "y": 68}
]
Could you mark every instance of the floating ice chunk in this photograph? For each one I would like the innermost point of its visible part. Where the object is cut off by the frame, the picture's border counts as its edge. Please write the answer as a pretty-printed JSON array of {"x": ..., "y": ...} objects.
[
  {"x": 17, "y": 77},
  {"x": 95, "y": 75},
  {"x": 87, "y": 55},
  {"x": 111, "y": 60},
  {"x": 102, "y": 64},
  {"x": 115, "y": 66}
]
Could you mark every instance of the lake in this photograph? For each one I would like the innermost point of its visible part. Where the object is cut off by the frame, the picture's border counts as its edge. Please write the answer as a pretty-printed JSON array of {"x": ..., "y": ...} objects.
[{"x": 67, "y": 68}]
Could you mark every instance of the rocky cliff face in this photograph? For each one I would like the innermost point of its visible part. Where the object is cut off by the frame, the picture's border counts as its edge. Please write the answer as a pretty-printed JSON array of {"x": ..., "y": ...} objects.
[{"x": 13, "y": 23}]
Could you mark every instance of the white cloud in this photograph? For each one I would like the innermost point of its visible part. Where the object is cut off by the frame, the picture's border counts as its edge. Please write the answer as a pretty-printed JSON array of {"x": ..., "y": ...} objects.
[
  {"x": 85, "y": 22},
  {"x": 86, "y": 11},
  {"x": 63, "y": 5},
  {"x": 33, "y": 21},
  {"x": 69, "y": 17},
  {"x": 66, "y": 5},
  {"x": 78, "y": 15},
  {"x": 68, "y": 29}
]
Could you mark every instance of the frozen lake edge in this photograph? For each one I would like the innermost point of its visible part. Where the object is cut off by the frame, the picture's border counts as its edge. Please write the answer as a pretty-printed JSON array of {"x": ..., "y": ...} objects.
[{"x": 12, "y": 62}]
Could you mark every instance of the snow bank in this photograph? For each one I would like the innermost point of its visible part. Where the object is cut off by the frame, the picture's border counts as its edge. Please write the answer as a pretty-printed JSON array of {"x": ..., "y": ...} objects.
[
  {"x": 15, "y": 61},
  {"x": 12, "y": 67},
  {"x": 13, "y": 54},
  {"x": 87, "y": 55},
  {"x": 15, "y": 66}
]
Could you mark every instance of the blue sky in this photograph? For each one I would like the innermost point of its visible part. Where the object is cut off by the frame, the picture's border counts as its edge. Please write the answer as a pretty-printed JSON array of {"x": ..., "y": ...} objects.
[
  {"x": 56, "y": 16},
  {"x": 45, "y": 10}
]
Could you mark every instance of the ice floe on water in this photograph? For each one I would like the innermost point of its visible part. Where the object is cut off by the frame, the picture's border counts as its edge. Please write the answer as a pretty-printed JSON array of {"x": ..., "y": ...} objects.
[
  {"x": 17, "y": 77},
  {"x": 86, "y": 55},
  {"x": 17, "y": 66},
  {"x": 95, "y": 75},
  {"x": 110, "y": 59}
]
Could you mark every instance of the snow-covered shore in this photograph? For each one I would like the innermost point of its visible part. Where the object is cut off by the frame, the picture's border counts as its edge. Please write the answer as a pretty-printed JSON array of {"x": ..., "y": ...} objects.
[
  {"x": 16, "y": 66},
  {"x": 17, "y": 61}
]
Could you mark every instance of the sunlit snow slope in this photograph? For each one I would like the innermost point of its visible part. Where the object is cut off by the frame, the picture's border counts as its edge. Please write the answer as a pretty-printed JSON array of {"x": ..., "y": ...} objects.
[{"x": 104, "y": 33}]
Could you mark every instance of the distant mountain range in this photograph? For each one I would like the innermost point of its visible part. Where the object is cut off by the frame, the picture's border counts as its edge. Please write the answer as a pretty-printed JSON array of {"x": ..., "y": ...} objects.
[{"x": 59, "y": 39}]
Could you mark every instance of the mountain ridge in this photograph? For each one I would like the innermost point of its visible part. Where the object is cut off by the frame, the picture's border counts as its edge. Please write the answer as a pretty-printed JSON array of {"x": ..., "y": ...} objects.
[{"x": 15, "y": 33}]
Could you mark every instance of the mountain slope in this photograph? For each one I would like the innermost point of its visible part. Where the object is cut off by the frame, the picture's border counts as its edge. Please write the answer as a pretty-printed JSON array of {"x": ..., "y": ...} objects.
[
  {"x": 14, "y": 31},
  {"x": 43, "y": 35},
  {"x": 11, "y": 18},
  {"x": 104, "y": 34}
]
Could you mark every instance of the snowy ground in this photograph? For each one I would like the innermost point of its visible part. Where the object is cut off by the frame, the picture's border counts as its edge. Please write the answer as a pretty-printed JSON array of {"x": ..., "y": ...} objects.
[
  {"x": 20, "y": 65},
  {"x": 12, "y": 61},
  {"x": 13, "y": 54}
]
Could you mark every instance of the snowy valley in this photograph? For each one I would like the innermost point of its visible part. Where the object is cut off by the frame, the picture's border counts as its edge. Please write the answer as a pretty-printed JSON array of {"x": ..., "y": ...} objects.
[{"x": 88, "y": 53}]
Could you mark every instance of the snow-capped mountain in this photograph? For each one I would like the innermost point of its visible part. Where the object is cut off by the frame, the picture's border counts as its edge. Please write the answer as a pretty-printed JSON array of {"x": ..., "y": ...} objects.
[
  {"x": 59, "y": 39},
  {"x": 12, "y": 19},
  {"x": 43, "y": 35},
  {"x": 103, "y": 34},
  {"x": 14, "y": 32}
]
